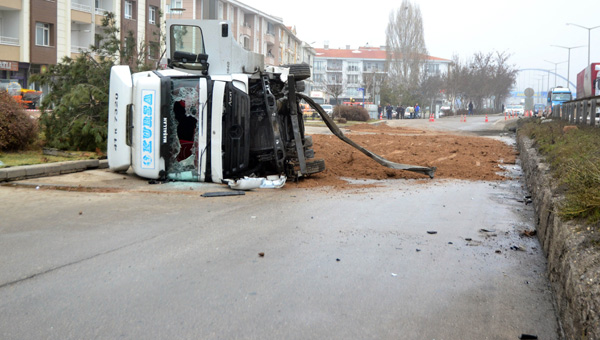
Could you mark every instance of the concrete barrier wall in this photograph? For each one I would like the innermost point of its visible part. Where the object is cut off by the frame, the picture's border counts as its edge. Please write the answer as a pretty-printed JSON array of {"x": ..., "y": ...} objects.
[{"x": 573, "y": 259}]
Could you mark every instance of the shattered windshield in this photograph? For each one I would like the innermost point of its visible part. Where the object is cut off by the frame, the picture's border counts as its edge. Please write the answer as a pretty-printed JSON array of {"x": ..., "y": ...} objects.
[{"x": 183, "y": 116}]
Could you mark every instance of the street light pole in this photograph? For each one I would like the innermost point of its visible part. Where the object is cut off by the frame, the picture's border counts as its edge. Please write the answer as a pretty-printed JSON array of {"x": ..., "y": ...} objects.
[
  {"x": 555, "y": 67},
  {"x": 589, "y": 34},
  {"x": 568, "y": 61}
]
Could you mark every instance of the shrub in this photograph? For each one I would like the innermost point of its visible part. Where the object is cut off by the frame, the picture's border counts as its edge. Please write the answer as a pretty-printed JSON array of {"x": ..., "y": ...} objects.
[
  {"x": 17, "y": 129},
  {"x": 355, "y": 113}
]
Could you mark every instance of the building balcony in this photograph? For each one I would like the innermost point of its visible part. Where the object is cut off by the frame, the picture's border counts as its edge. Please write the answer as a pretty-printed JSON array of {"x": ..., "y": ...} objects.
[
  {"x": 269, "y": 38},
  {"x": 11, "y": 4},
  {"x": 10, "y": 52},
  {"x": 81, "y": 7},
  {"x": 81, "y": 17},
  {"x": 334, "y": 69},
  {"x": 9, "y": 41},
  {"x": 245, "y": 30}
]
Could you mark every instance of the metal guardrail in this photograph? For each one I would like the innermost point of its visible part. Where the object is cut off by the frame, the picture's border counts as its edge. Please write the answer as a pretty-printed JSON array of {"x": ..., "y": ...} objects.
[{"x": 580, "y": 111}]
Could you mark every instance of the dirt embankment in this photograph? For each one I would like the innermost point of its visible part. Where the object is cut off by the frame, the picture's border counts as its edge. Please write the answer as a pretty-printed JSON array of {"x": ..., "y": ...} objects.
[{"x": 458, "y": 157}]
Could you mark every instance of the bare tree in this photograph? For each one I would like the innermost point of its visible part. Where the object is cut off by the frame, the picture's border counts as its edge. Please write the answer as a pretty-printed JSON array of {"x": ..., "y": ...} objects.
[
  {"x": 406, "y": 50},
  {"x": 334, "y": 87},
  {"x": 483, "y": 77},
  {"x": 372, "y": 82}
]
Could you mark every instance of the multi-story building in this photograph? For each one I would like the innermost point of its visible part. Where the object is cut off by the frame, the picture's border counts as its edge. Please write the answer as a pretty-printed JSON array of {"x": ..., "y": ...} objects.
[
  {"x": 356, "y": 69},
  {"x": 38, "y": 33}
]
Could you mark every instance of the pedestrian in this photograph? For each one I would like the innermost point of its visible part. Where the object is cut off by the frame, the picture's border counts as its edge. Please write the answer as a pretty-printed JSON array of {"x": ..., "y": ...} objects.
[
  {"x": 379, "y": 111},
  {"x": 417, "y": 108},
  {"x": 470, "y": 108},
  {"x": 401, "y": 111},
  {"x": 388, "y": 110},
  {"x": 398, "y": 111}
]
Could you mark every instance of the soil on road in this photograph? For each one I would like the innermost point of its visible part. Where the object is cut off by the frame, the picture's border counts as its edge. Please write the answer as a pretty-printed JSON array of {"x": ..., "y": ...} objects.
[{"x": 454, "y": 156}]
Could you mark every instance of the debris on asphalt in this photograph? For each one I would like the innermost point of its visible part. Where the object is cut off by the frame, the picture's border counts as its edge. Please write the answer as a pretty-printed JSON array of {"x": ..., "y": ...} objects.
[
  {"x": 483, "y": 230},
  {"x": 517, "y": 248},
  {"x": 432, "y": 232},
  {"x": 394, "y": 274},
  {"x": 468, "y": 239},
  {"x": 529, "y": 233},
  {"x": 337, "y": 260},
  {"x": 450, "y": 243},
  {"x": 261, "y": 254},
  {"x": 223, "y": 193},
  {"x": 528, "y": 336},
  {"x": 498, "y": 251},
  {"x": 418, "y": 250},
  {"x": 81, "y": 213}
]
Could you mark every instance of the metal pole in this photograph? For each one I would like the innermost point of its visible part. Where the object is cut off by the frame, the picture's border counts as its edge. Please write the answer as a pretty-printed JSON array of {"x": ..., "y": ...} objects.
[
  {"x": 589, "y": 36},
  {"x": 569, "y": 61}
]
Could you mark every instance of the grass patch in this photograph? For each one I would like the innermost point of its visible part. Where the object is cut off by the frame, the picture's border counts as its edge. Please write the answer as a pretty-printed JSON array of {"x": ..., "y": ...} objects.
[
  {"x": 38, "y": 157},
  {"x": 574, "y": 159}
]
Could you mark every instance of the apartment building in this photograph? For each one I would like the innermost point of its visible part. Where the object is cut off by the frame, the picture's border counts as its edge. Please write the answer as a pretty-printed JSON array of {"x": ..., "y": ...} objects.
[
  {"x": 357, "y": 69},
  {"x": 38, "y": 33}
]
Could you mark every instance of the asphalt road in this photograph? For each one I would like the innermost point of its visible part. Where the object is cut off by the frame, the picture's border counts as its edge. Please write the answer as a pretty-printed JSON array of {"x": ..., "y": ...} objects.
[{"x": 117, "y": 257}]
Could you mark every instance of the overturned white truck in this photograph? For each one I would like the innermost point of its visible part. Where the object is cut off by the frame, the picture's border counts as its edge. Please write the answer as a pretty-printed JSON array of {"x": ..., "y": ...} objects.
[{"x": 216, "y": 115}]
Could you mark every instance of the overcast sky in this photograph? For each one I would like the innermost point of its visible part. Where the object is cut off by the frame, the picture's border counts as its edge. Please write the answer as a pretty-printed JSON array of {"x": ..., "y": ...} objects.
[{"x": 524, "y": 28}]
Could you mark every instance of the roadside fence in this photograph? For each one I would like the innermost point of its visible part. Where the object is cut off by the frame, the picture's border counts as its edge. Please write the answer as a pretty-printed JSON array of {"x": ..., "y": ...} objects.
[{"x": 580, "y": 111}]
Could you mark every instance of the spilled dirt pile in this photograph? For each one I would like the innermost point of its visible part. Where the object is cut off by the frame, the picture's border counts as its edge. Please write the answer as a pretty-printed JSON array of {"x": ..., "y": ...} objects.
[{"x": 458, "y": 157}]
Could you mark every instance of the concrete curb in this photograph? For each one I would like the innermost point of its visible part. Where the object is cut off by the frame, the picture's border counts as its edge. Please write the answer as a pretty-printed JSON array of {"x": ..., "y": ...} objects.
[
  {"x": 573, "y": 264},
  {"x": 50, "y": 169}
]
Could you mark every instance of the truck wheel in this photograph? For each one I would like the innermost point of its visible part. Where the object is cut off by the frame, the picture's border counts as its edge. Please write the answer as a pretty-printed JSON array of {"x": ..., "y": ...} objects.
[
  {"x": 300, "y": 71},
  {"x": 315, "y": 166},
  {"x": 308, "y": 141}
]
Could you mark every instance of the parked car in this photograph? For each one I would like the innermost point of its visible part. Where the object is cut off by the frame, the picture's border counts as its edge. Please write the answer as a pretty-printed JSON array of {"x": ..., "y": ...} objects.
[{"x": 328, "y": 108}]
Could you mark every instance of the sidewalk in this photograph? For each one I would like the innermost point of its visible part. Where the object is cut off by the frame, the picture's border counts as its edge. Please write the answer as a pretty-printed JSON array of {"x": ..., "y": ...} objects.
[{"x": 50, "y": 169}]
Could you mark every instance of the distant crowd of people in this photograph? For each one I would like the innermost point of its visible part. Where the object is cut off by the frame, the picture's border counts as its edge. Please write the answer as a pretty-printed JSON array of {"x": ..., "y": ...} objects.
[{"x": 401, "y": 112}]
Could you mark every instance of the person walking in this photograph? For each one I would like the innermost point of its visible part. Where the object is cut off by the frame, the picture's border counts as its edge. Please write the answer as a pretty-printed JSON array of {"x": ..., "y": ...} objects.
[
  {"x": 417, "y": 108},
  {"x": 470, "y": 108}
]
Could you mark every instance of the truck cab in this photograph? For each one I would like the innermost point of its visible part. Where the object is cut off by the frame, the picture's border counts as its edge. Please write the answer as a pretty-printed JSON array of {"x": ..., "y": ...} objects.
[
  {"x": 217, "y": 114},
  {"x": 558, "y": 95}
]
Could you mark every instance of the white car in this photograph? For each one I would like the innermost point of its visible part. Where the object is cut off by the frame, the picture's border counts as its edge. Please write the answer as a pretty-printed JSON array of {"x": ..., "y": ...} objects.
[
  {"x": 515, "y": 109},
  {"x": 328, "y": 108}
]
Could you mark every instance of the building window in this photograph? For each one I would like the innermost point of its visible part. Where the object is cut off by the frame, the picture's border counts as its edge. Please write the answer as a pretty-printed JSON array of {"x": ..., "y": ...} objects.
[
  {"x": 270, "y": 28},
  {"x": 353, "y": 67},
  {"x": 152, "y": 15},
  {"x": 353, "y": 79},
  {"x": 128, "y": 10},
  {"x": 42, "y": 34}
]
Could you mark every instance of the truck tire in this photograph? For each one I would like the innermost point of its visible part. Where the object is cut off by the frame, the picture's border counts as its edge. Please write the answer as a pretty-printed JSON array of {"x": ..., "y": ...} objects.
[
  {"x": 308, "y": 141},
  {"x": 300, "y": 86},
  {"x": 315, "y": 166},
  {"x": 299, "y": 71}
]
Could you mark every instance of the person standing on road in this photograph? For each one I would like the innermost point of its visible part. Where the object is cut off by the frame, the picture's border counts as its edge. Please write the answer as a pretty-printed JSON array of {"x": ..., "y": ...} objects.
[
  {"x": 379, "y": 110},
  {"x": 388, "y": 110},
  {"x": 399, "y": 111},
  {"x": 417, "y": 108},
  {"x": 470, "y": 108}
]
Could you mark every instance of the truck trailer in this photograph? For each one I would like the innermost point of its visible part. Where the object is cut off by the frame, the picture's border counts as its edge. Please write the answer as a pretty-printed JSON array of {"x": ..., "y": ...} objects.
[{"x": 588, "y": 81}]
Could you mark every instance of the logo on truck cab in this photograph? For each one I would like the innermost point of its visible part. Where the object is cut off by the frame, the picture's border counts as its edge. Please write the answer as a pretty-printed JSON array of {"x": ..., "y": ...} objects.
[{"x": 147, "y": 135}]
